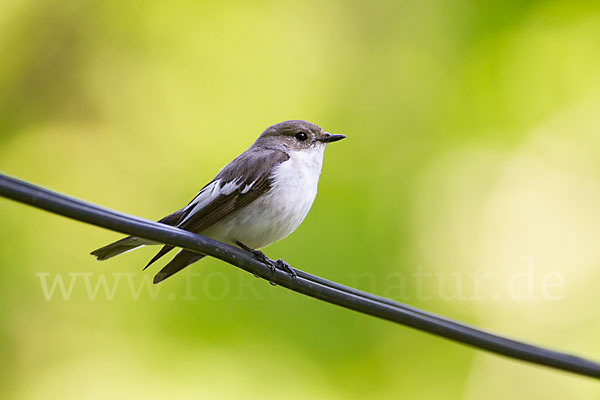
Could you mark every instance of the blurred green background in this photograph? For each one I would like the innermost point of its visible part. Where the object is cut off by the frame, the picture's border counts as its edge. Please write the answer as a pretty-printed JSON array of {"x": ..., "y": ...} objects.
[{"x": 473, "y": 154}]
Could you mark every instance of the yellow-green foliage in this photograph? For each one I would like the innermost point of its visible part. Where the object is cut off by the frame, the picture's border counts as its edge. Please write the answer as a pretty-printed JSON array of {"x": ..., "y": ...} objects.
[{"x": 473, "y": 155}]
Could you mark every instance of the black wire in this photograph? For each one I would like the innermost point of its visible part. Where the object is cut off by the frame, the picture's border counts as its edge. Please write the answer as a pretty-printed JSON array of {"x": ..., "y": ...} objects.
[{"x": 305, "y": 283}]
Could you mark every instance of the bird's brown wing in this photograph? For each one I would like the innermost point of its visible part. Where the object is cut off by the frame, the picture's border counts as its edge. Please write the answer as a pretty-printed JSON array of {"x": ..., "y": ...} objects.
[{"x": 238, "y": 184}]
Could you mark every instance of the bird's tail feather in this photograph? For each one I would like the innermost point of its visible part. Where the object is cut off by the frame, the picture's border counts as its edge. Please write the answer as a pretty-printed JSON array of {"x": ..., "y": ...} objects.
[
  {"x": 181, "y": 260},
  {"x": 119, "y": 247},
  {"x": 131, "y": 242},
  {"x": 164, "y": 250}
]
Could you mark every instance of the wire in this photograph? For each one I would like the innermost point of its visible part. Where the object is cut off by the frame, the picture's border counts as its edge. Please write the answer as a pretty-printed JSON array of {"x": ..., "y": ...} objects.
[{"x": 305, "y": 283}]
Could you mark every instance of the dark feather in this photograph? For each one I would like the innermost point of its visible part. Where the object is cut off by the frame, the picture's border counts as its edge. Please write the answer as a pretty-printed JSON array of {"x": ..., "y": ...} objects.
[
  {"x": 131, "y": 242},
  {"x": 116, "y": 248},
  {"x": 253, "y": 166},
  {"x": 164, "y": 250},
  {"x": 179, "y": 262}
]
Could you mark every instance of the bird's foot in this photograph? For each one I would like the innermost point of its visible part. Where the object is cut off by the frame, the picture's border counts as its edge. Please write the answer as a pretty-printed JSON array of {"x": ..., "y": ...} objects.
[
  {"x": 260, "y": 256},
  {"x": 279, "y": 264},
  {"x": 282, "y": 265}
]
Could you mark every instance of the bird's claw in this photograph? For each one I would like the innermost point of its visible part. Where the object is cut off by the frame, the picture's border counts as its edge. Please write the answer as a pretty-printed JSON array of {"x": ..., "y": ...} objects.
[
  {"x": 260, "y": 256},
  {"x": 274, "y": 265},
  {"x": 282, "y": 265}
]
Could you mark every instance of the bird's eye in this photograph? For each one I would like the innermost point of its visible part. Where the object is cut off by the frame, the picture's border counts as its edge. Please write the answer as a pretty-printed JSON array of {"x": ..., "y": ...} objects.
[{"x": 301, "y": 136}]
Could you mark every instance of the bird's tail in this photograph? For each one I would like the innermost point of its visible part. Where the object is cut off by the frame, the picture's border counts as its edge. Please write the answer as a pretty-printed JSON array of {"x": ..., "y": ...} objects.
[
  {"x": 131, "y": 242},
  {"x": 181, "y": 260},
  {"x": 119, "y": 247}
]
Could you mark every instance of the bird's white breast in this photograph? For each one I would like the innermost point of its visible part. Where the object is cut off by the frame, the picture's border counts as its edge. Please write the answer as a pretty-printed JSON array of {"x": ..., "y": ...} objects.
[{"x": 278, "y": 212}]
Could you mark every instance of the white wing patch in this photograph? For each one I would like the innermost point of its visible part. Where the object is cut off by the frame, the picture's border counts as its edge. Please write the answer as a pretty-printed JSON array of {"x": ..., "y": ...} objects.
[
  {"x": 230, "y": 187},
  {"x": 247, "y": 188},
  {"x": 210, "y": 193}
]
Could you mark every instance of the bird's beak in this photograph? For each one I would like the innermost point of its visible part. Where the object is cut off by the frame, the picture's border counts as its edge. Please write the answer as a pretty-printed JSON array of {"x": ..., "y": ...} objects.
[{"x": 329, "y": 137}]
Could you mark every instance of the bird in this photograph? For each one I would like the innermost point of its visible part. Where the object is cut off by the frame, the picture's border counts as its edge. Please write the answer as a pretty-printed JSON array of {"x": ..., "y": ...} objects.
[{"x": 257, "y": 199}]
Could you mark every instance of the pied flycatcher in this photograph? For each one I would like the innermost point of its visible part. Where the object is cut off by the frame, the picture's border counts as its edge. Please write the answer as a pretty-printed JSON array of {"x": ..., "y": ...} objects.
[{"x": 257, "y": 199}]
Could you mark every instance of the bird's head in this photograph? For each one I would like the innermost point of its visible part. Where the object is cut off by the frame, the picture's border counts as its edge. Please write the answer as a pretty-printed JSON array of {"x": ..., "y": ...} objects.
[{"x": 296, "y": 135}]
